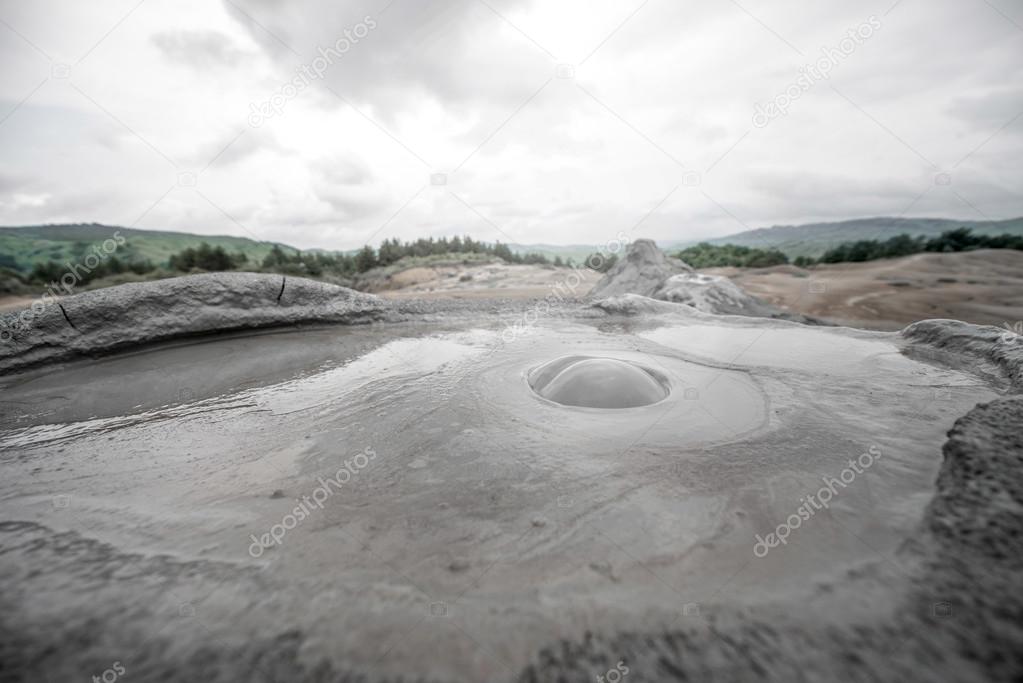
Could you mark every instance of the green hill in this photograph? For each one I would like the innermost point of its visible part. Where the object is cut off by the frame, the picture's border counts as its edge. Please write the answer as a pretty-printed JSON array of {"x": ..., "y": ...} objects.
[
  {"x": 813, "y": 239},
  {"x": 22, "y": 247}
]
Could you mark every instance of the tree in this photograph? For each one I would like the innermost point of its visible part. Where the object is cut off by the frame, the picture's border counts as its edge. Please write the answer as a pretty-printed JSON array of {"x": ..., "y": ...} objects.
[
  {"x": 706, "y": 255},
  {"x": 204, "y": 257},
  {"x": 390, "y": 251},
  {"x": 503, "y": 251},
  {"x": 276, "y": 257},
  {"x": 365, "y": 259}
]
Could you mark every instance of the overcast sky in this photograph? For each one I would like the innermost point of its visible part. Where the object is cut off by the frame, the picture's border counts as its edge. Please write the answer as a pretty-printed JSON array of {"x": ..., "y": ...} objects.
[{"x": 557, "y": 121}]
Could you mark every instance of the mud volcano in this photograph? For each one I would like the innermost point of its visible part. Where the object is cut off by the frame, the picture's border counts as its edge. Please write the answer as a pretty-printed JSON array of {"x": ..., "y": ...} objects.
[
  {"x": 607, "y": 383},
  {"x": 403, "y": 500}
]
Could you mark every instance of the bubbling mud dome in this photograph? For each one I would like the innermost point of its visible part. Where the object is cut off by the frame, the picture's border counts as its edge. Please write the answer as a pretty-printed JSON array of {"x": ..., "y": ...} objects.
[{"x": 607, "y": 383}]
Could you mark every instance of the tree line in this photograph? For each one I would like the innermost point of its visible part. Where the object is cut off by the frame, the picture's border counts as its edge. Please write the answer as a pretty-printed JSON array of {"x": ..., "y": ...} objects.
[
  {"x": 44, "y": 272},
  {"x": 960, "y": 239},
  {"x": 706, "y": 255},
  {"x": 391, "y": 251},
  {"x": 312, "y": 263},
  {"x": 317, "y": 263}
]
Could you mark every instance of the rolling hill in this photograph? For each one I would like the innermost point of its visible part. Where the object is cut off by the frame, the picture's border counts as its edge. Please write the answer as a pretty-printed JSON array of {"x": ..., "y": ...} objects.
[
  {"x": 21, "y": 247},
  {"x": 813, "y": 239},
  {"x": 808, "y": 239}
]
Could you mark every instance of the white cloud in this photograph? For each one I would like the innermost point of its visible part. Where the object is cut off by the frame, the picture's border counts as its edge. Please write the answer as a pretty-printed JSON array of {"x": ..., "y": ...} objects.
[{"x": 661, "y": 92}]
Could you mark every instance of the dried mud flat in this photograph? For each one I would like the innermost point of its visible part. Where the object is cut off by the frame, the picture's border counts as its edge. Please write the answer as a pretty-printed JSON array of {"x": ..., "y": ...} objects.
[
  {"x": 487, "y": 280},
  {"x": 984, "y": 287},
  {"x": 481, "y": 533}
]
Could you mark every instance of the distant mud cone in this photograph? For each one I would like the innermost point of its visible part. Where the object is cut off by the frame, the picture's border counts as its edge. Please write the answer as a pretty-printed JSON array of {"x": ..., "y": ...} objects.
[
  {"x": 647, "y": 271},
  {"x": 642, "y": 269}
]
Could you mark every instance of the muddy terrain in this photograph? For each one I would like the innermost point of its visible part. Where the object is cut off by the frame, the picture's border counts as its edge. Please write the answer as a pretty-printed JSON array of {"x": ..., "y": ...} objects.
[
  {"x": 483, "y": 280},
  {"x": 984, "y": 287},
  {"x": 437, "y": 490}
]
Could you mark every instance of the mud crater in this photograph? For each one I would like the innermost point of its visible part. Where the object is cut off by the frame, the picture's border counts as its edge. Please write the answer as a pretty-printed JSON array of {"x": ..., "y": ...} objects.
[{"x": 598, "y": 382}]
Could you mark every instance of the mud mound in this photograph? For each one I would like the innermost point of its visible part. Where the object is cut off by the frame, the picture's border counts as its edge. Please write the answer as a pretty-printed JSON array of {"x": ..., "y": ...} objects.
[
  {"x": 115, "y": 317},
  {"x": 641, "y": 271},
  {"x": 712, "y": 294},
  {"x": 1000, "y": 347},
  {"x": 646, "y": 271},
  {"x": 634, "y": 304}
]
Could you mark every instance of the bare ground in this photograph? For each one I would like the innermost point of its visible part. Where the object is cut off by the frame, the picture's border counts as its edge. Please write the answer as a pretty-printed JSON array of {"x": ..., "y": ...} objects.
[
  {"x": 983, "y": 287},
  {"x": 15, "y": 302},
  {"x": 487, "y": 280}
]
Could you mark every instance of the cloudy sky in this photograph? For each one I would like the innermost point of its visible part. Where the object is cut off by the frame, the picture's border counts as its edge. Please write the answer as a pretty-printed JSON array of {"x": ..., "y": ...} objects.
[{"x": 330, "y": 124}]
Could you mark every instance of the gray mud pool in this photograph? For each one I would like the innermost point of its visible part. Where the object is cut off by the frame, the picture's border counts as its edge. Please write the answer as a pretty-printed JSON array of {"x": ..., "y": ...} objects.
[{"x": 442, "y": 502}]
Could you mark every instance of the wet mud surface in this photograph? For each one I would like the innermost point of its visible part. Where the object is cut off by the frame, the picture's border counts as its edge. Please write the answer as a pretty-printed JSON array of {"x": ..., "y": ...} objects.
[{"x": 396, "y": 500}]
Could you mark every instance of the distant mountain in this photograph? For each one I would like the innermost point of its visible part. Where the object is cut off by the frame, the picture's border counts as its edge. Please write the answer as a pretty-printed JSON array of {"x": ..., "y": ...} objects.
[
  {"x": 22, "y": 247},
  {"x": 576, "y": 252},
  {"x": 813, "y": 239},
  {"x": 809, "y": 239}
]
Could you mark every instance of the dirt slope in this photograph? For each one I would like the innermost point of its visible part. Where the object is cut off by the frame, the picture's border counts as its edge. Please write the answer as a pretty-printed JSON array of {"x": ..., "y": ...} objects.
[{"x": 984, "y": 287}]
